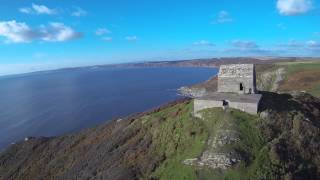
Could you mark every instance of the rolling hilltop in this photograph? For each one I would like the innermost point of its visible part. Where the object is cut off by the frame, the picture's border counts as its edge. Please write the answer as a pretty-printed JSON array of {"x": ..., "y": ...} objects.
[
  {"x": 282, "y": 142},
  {"x": 214, "y": 62}
]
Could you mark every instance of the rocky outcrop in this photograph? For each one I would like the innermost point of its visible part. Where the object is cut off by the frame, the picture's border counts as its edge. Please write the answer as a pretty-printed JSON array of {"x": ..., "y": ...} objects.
[
  {"x": 192, "y": 92},
  {"x": 270, "y": 80},
  {"x": 201, "y": 89},
  {"x": 216, "y": 155}
]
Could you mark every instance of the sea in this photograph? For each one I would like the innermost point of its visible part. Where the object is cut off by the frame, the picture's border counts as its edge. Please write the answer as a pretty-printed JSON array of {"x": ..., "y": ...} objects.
[{"x": 57, "y": 102}]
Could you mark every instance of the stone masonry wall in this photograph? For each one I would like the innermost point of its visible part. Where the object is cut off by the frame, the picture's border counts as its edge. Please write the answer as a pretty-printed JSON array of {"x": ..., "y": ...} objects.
[
  {"x": 251, "y": 108},
  {"x": 231, "y": 76},
  {"x": 204, "y": 104},
  {"x": 232, "y": 85}
]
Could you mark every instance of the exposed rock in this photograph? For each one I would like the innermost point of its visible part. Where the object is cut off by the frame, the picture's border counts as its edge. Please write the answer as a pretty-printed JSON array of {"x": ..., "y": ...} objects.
[
  {"x": 192, "y": 92},
  {"x": 215, "y": 156},
  {"x": 270, "y": 80},
  {"x": 219, "y": 160}
]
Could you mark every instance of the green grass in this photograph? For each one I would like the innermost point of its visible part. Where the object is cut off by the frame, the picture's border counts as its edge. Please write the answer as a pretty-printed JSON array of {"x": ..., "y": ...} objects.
[
  {"x": 180, "y": 136},
  {"x": 302, "y": 66},
  {"x": 250, "y": 145},
  {"x": 315, "y": 90}
]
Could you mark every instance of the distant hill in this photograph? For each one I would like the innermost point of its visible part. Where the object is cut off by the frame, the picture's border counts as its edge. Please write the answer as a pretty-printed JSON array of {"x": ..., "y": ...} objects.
[
  {"x": 215, "y": 62},
  {"x": 282, "y": 142}
]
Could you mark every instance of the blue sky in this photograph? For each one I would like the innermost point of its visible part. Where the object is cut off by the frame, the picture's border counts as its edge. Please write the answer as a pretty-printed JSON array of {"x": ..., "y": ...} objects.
[{"x": 49, "y": 34}]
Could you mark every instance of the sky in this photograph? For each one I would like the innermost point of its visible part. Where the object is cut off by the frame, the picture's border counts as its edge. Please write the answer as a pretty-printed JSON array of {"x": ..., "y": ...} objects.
[{"x": 49, "y": 34}]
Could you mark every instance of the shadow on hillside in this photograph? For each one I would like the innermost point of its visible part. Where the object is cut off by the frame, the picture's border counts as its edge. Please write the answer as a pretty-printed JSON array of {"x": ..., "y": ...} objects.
[
  {"x": 277, "y": 102},
  {"x": 306, "y": 104}
]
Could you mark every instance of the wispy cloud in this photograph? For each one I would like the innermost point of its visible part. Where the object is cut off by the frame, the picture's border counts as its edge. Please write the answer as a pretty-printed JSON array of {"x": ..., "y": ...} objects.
[
  {"x": 240, "y": 44},
  {"x": 223, "y": 17},
  {"x": 282, "y": 26},
  {"x": 78, "y": 12},
  {"x": 102, "y": 31},
  {"x": 249, "y": 48},
  {"x": 131, "y": 38},
  {"x": 313, "y": 44},
  {"x": 292, "y": 44},
  {"x": 107, "y": 39},
  {"x": 203, "y": 43},
  {"x": 293, "y": 7},
  {"x": 20, "y": 32},
  {"x": 38, "y": 9}
]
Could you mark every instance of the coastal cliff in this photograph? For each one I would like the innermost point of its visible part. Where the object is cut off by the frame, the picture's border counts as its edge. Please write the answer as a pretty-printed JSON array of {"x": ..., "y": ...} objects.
[{"x": 168, "y": 142}]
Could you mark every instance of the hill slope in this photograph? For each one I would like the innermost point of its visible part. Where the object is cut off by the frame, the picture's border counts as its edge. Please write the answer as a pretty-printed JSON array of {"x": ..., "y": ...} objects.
[{"x": 169, "y": 143}]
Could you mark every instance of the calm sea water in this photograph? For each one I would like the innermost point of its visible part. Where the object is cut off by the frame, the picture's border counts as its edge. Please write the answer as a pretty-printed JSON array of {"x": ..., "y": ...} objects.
[{"x": 57, "y": 102}]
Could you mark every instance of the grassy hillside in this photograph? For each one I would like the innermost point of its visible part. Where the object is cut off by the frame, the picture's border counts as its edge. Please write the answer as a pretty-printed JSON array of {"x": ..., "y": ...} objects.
[
  {"x": 290, "y": 76},
  {"x": 169, "y": 143}
]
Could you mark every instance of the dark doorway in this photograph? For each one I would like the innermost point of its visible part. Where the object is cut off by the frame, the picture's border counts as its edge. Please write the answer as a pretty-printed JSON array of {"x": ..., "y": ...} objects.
[
  {"x": 225, "y": 103},
  {"x": 241, "y": 87},
  {"x": 250, "y": 91}
]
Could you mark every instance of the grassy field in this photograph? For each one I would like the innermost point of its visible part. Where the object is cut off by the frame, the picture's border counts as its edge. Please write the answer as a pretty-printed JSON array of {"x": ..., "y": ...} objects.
[
  {"x": 301, "y": 76},
  {"x": 290, "y": 76}
]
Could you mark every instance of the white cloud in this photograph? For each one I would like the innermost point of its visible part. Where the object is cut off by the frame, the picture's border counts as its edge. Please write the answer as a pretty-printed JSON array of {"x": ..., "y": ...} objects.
[
  {"x": 79, "y": 12},
  {"x": 293, "y": 7},
  {"x": 58, "y": 32},
  {"x": 203, "y": 43},
  {"x": 26, "y": 10},
  {"x": 16, "y": 32},
  {"x": 37, "y": 9},
  {"x": 20, "y": 32},
  {"x": 42, "y": 9},
  {"x": 223, "y": 17},
  {"x": 107, "y": 39},
  {"x": 102, "y": 31},
  {"x": 131, "y": 38}
]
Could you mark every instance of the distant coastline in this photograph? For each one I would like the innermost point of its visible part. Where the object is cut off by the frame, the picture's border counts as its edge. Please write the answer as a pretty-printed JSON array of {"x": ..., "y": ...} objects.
[{"x": 208, "y": 62}]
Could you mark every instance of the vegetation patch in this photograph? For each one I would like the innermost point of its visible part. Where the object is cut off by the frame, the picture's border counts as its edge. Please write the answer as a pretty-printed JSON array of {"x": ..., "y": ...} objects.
[
  {"x": 251, "y": 144},
  {"x": 177, "y": 137},
  {"x": 301, "y": 76}
]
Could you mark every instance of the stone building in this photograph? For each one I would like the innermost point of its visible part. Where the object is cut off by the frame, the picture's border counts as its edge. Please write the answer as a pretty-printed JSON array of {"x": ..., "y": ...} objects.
[
  {"x": 237, "y": 78},
  {"x": 236, "y": 89}
]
